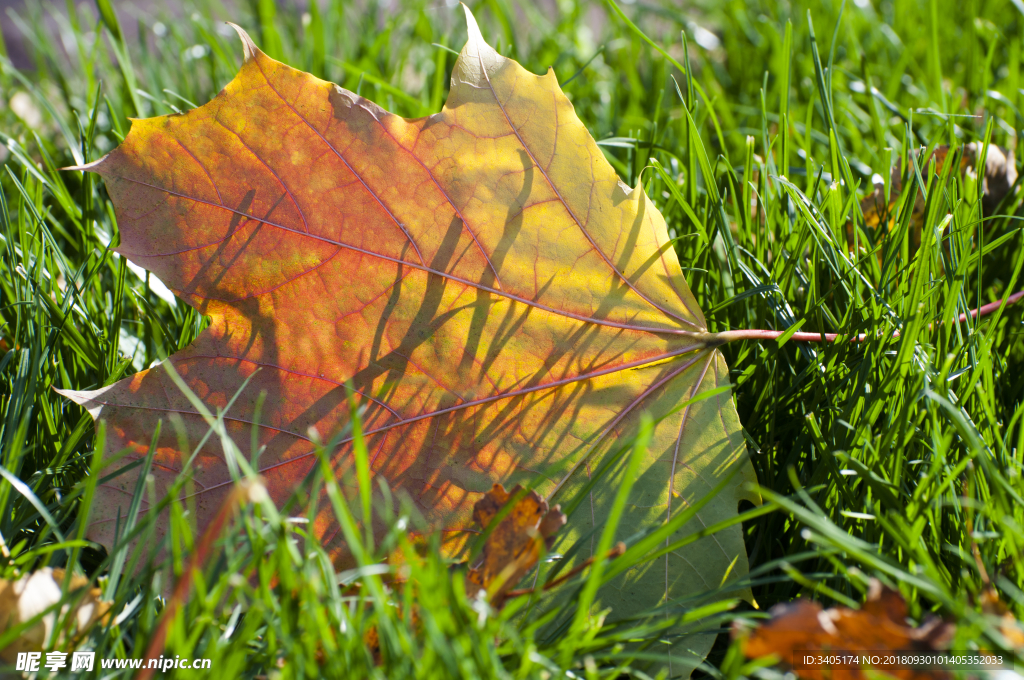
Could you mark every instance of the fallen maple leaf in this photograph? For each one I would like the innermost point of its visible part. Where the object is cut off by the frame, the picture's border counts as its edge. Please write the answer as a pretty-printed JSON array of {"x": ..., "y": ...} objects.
[
  {"x": 802, "y": 629},
  {"x": 514, "y": 546},
  {"x": 503, "y": 305}
]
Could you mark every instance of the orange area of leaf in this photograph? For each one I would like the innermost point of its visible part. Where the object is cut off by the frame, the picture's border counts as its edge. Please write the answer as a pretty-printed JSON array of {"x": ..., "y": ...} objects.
[{"x": 1009, "y": 627}]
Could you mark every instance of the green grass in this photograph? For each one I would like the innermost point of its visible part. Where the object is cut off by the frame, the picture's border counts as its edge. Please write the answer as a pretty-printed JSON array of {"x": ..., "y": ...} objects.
[{"x": 899, "y": 457}]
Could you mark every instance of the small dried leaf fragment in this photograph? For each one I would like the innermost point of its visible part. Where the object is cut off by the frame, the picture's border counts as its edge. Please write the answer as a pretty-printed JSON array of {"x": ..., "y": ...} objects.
[
  {"x": 34, "y": 593},
  {"x": 999, "y": 177},
  {"x": 514, "y": 546},
  {"x": 879, "y": 625},
  {"x": 1009, "y": 627}
]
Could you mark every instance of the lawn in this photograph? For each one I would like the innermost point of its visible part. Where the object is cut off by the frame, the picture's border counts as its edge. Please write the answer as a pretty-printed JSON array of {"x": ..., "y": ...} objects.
[{"x": 756, "y": 127}]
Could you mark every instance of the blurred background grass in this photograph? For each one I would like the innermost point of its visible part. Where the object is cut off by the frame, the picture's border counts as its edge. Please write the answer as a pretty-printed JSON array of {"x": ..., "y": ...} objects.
[{"x": 899, "y": 457}]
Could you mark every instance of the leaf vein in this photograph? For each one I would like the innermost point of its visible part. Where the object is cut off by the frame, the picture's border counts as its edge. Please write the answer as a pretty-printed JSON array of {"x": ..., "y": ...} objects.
[
  {"x": 565, "y": 204},
  {"x": 424, "y": 268}
]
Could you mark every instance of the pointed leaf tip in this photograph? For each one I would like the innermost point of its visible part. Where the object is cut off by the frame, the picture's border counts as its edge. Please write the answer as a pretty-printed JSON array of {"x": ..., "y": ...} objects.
[
  {"x": 249, "y": 49},
  {"x": 86, "y": 399},
  {"x": 87, "y": 167},
  {"x": 478, "y": 59},
  {"x": 472, "y": 27}
]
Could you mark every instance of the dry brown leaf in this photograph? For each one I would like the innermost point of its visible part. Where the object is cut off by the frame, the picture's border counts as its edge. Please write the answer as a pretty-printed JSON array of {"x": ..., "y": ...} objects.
[
  {"x": 879, "y": 625},
  {"x": 514, "y": 546},
  {"x": 999, "y": 177},
  {"x": 34, "y": 593},
  {"x": 509, "y": 552},
  {"x": 1008, "y": 625}
]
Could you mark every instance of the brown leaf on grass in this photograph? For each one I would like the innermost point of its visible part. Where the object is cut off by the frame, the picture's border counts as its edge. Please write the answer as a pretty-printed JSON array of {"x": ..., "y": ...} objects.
[
  {"x": 879, "y": 625},
  {"x": 997, "y": 180},
  {"x": 32, "y": 594},
  {"x": 1008, "y": 625},
  {"x": 514, "y": 546},
  {"x": 510, "y": 551}
]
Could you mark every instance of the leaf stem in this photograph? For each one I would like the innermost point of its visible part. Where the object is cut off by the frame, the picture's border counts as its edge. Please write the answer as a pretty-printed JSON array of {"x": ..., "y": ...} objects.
[{"x": 717, "y": 339}]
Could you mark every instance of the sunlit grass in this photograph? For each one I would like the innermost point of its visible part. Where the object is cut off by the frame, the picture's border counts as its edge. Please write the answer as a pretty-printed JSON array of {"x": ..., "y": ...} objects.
[{"x": 899, "y": 457}]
